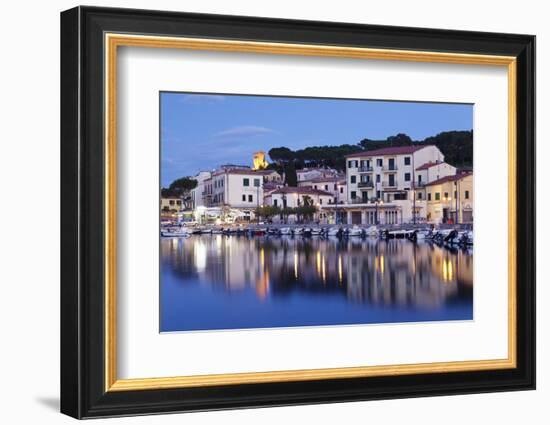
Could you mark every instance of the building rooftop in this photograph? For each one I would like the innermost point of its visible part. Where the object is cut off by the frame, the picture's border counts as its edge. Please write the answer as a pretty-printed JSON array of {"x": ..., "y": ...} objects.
[
  {"x": 395, "y": 150},
  {"x": 328, "y": 179},
  {"x": 302, "y": 190},
  {"x": 429, "y": 165},
  {"x": 239, "y": 170},
  {"x": 446, "y": 179}
]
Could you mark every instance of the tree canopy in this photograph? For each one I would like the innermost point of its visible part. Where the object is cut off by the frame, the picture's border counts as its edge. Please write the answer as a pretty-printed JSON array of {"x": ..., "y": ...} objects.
[
  {"x": 179, "y": 187},
  {"x": 457, "y": 146}
]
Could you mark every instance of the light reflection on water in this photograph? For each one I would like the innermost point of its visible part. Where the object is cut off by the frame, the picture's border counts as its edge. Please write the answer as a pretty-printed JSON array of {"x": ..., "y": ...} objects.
[{"x": 231, "y": 282}]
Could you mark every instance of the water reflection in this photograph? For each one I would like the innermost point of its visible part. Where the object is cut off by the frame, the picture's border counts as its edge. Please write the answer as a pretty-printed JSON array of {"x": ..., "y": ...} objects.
[{"x": 221, "y": 282}]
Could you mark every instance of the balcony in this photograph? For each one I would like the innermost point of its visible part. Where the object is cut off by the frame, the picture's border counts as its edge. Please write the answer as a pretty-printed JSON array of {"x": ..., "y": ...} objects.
[
  {"x": 365, "y": 184},
  {"x": 389, "y": 168},
  {"x": 419, "y": 185},
  {"x": 389, "y": 184},
  {"x": 366, "y": 169}
]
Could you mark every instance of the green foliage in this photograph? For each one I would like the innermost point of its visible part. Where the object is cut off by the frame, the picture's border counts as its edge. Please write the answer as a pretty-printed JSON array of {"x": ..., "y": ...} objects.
[
  {"x": 304, "y": 212},
  {"x": 268, "y": 211},
  {"x": 183, "y": 184},
  {"x": 179, "y": 188},
  {"x": 291, "y": 179},
  {"x": 457, "y": 146}
]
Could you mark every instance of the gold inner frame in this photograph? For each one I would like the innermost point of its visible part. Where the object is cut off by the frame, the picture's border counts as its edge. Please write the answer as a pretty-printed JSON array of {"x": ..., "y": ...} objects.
[{"x": 113, "y": 41}]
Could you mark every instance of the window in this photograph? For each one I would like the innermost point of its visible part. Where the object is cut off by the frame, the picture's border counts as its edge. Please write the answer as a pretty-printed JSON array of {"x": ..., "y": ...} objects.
[
  {"x": 446, "y": 195},
  {"x": 326, "y": 187},
  {"x": 274, "y": 202},
  {"x": 455, "y": 194},
  {"x": 378, "y": 194},
  {"x": 407, "y": 177},
  {"x": 353, "y": 179},
  {"x": 320, "y": 201},
  {"x": 335, "y": 188},
  {"x": 171, "y": 202},
  {"x": 429, "y": 196},
  {"x": 466, "y": 194},
  {"x": 341, "y": 190},
  {"x": 244, "y": 198},
  {"x": 352, "y": 164},
  {"x": 256, "y": 182},
  {"x": 400, "y": 196},
  {"x": 378, "y": 178},
  {"x": 437, "y": 196},
  {"x": 353, "y": 194},
  {"x": 419, "y": 195},
  {"x": 315, "y": 187},
  {"x": 249, "y": 198},
  {"x": 379, "y": 162},
  {"x": 246, "y": 182},
  {"x": 407, "y": 160}
]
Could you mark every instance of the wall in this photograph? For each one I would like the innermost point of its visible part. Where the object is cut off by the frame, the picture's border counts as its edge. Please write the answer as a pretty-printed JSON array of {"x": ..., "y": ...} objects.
[{"x": 29, "y": 155}]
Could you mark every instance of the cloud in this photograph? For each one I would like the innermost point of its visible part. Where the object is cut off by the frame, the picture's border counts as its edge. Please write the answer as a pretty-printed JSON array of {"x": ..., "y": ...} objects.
[
  {"x": 244, "y": 131},
  {"x": 196, "y": 99}
]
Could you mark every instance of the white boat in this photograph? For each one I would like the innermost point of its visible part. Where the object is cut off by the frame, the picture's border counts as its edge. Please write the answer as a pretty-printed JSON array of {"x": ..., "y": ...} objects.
[
  {"x": 298, "y": 231},
  {"x": 206, "y": 231},
  {"x": 286, "y": 231},
  {"x": 175, "y": 233},
  {"x": 316, "y": 231},
  {"x": 355, "y": 231},
  {"x": 334, "y": 231},
  {"x": 372, "y": 231}
]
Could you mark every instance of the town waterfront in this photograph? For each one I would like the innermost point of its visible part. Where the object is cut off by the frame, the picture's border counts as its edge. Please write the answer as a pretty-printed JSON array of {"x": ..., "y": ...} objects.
[{"x": 215, "y": 282}]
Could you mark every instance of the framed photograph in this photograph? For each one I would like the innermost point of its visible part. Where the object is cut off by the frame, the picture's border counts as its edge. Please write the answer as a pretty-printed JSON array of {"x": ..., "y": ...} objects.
[{"x": 261, "y": 212}]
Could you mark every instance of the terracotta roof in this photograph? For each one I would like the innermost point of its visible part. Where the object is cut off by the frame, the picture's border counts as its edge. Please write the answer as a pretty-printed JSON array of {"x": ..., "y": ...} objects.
[
  {"x": 248, "y": 171},
  {"x": 429, "y": 165},
  {"x": 395, "y": 150},
  {"x": 328, "y": 179},
  {"x": 446, "y": 179},
  {"x": 303, "y": 190}
]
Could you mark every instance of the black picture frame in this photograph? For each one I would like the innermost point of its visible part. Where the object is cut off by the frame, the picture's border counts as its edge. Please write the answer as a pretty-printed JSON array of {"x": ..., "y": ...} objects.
[{"x": 82, "y": 212}]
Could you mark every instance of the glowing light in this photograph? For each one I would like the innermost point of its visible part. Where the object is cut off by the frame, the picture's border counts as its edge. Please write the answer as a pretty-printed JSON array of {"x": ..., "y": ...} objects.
[
  {"x": 382, "y": 264},
  {"x": 340, "y": 269},
  {"x": 295, "y": 265},
  {"x": 324, "y": 269},
  {"x": 447, "y": 270},
  {"x": 262, "y": 257},
  {"x": 200, "y": 254},
  {"x": 318, "y": 262}
]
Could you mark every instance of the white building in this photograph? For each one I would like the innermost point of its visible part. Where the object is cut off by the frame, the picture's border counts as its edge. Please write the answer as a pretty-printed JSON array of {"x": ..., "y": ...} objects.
[
  {"x": 314, "y": 173},
  {"x": 197, "y": 198},
  {"x": 381, "y": 184},
  {"x": 292, "y": 197},
  {"x": 332, "y": 184}
]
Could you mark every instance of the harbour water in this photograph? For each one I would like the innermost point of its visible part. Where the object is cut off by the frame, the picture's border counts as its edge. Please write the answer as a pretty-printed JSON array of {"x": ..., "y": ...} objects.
[{"x": 214, "y": 282}]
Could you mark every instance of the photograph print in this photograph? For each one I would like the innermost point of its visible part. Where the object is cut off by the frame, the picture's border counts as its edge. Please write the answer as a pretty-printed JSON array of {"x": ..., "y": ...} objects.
[{"x": 280, "y": 212}]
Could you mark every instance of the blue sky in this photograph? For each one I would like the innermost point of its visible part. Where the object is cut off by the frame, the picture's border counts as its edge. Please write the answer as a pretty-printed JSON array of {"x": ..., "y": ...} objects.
[{"x": 201, "y": 132}]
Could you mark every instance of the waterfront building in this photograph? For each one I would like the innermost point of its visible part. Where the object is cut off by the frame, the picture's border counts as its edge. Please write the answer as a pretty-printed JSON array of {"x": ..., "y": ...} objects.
[
  {"x": 386, "y": 186},
  {"x": 292, "y": 197},
  {"x": 451, "y": 199},
  {"x": 333, "y": 184},
  {"x": 306, "y": 174},
  {"x": 197, "y": 198},
  {"x": 171, "y": 204}
]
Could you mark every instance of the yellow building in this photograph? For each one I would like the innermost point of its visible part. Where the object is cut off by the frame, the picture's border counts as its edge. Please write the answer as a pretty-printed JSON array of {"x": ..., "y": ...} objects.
[
  {"x": 171, "y": 204},
  {"x": 259, "y": 161},
  {"x": 447, "y": 195}
]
